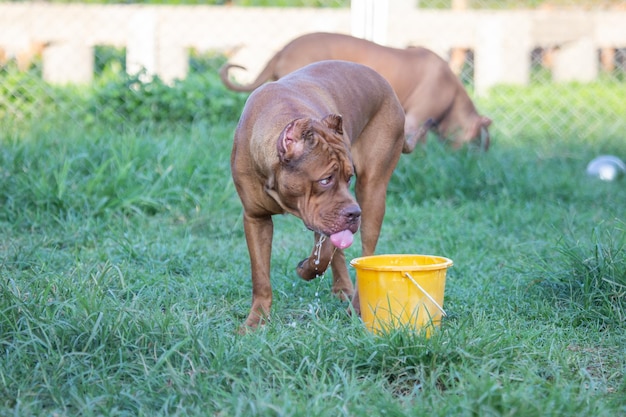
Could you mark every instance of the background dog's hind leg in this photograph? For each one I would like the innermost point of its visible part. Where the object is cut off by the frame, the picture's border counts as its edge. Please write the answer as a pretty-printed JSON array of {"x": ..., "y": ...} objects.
[{"x": 415, "y": 133}]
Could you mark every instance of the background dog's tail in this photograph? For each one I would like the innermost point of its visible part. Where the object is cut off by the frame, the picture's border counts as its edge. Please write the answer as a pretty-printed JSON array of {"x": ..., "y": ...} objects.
[{"x": 266, "y": 75}]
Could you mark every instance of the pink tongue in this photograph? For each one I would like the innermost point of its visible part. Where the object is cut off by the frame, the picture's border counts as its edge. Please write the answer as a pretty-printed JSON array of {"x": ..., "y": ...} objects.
[{"x": 342, "y": 239}]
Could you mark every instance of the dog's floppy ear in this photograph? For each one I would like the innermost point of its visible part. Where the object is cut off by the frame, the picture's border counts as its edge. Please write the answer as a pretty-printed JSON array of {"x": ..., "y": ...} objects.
[
  {"x": 290, "y": 144},
  {"x": 334, "y": 122}
]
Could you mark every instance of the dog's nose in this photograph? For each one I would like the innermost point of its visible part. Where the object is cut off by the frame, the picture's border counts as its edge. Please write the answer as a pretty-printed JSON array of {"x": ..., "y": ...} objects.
[{"x": 352, "y": 212}]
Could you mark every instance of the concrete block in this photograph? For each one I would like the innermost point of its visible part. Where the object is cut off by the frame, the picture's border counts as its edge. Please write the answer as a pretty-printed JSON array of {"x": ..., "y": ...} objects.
[
  {"x": 173, "y": 62},
  {"x": 141, "y": 46},
  {"x": 576, "y": 61},
  {"x": 369, "y": 20},
  {"x": 502, "y": 51},
  {"x": 68, "y": 62}
]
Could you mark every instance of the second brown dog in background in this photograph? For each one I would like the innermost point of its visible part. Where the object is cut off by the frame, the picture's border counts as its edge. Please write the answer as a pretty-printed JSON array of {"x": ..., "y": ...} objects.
[{"x": 432, "y": 96}]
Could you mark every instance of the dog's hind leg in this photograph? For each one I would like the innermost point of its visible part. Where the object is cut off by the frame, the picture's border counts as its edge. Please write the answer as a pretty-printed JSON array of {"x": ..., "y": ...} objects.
[{"x": 415, "y": 134}]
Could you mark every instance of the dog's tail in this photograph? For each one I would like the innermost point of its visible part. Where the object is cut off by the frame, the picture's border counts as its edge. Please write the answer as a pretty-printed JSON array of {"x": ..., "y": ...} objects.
[{"x": 266, "y": 75}]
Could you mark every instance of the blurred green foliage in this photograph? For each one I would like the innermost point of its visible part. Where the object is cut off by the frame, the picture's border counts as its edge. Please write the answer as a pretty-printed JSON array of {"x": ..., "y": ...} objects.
[
  {"x": 117, "y": 98},
  {"x": 138, "y": 98}
]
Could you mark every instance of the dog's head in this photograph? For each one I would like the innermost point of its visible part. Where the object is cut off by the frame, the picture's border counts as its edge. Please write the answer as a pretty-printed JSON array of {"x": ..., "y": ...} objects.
[{"x": 312, "y": 177}]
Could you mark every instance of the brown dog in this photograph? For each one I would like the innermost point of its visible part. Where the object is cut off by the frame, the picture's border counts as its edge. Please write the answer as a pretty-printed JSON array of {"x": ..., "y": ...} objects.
[
  {"x": 431, "y": 95},
  {"x": 298, "y": 143}
]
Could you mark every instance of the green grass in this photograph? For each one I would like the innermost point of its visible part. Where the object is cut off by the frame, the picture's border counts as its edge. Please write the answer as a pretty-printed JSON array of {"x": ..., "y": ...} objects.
[{"x": 124, "y": 276}]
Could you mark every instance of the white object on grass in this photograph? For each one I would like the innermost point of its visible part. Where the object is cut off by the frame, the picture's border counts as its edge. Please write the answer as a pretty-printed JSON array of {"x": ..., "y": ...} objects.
[{"x": 606, "y": 167}]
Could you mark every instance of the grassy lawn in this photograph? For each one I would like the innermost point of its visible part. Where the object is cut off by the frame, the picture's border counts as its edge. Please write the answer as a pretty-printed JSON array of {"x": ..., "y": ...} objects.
[{"x": 124, "y": 275}]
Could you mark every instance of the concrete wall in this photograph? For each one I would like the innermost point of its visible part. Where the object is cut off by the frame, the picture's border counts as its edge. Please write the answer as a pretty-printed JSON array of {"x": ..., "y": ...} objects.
[{"x": 158, "y": 38}]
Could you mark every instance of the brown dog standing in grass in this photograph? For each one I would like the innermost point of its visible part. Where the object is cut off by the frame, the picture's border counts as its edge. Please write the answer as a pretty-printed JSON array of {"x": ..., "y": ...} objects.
[
  {"x": 432, "y": 96},
  {"x": 299, "y": 142}
]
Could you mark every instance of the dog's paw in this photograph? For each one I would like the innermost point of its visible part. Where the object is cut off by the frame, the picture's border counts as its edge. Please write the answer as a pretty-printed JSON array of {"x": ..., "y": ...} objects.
[
  {"x": 244, "y": 330},
  {"x": 352, "y": 311},
  {"x": 252, "y": 325},
  {"x": 343, "y": 293},
  {"x": 355, "y": 305}
]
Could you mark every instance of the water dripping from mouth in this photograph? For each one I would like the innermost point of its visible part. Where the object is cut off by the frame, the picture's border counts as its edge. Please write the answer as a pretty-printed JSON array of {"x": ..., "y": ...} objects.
[
  {"x": 318, "y": 254},
  {"x": 318, "y": 249}
]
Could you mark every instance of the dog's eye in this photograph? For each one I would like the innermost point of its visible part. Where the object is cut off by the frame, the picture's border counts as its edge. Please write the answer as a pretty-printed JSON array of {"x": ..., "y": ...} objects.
[{"x": 326, "y": 181}]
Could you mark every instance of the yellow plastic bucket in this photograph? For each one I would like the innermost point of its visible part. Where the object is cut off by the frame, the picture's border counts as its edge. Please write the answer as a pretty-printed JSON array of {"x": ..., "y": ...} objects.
[{"x": 401, "y": 291}]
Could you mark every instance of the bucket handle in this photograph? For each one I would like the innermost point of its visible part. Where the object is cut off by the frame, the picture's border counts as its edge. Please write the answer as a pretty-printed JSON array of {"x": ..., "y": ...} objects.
[{"x": 432, "y": 300}]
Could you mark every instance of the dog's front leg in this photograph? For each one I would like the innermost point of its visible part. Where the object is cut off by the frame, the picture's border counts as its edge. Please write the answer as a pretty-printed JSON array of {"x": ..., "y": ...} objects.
[
  {"x": 342, "y": 285},
  {"x": 259, "y": 231},
  {"x": 371, "y": 192}
]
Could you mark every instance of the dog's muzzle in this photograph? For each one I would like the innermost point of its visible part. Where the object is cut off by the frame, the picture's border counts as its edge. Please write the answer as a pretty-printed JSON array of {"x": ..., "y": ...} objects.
[{"x": 351, "y": 216}]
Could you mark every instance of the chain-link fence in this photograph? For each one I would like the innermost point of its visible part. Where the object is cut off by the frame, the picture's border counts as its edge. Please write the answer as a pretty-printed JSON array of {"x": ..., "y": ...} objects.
[{"x": 565, "y": 60}]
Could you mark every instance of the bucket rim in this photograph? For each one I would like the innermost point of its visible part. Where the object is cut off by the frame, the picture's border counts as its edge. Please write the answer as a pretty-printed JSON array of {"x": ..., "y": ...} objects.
[{"x": 358, "y": 263}]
